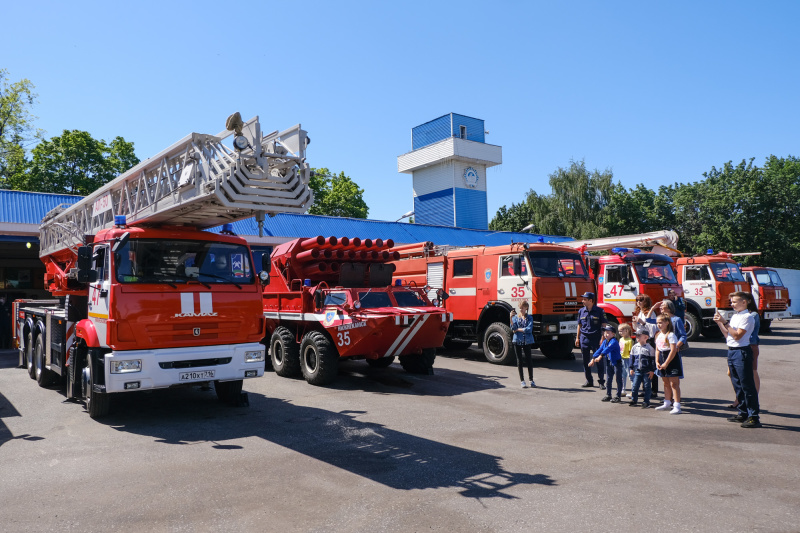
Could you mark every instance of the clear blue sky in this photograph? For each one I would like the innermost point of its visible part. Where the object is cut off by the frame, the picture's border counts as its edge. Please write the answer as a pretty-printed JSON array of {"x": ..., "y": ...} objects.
[{"x": 658, "y": 92}]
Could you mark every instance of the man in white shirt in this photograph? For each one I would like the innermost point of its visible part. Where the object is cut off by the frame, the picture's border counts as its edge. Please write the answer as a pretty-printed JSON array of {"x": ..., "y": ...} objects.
[{"x": 740, "y": 359}]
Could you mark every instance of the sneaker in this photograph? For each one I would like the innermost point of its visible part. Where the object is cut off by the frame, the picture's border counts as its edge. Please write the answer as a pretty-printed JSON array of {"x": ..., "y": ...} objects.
[
  {"x": 588, "y": 384},
  {"x": 606, "y": 399},
  {"x": 524, "y": 385},
  {"x": 533, "y": 384},
  {"x": 629, "y": 395},
  {"x": 751, "y": 422},
  {"x": 645, "y": 405},
  {"x": 664, "y": 407},
  {"x": 633, "y": 404},
  {"x": 738, "y": 419},
  {"x": 602, "y": 385},
  {"x": 675, "y": 411},
  {"x": 616, "y": 399}
]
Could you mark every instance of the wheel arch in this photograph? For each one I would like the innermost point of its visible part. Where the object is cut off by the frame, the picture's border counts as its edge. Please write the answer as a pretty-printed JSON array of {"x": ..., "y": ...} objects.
[
  {"x": 85, "y": 330},
  {"x": 495, "y": 311}
]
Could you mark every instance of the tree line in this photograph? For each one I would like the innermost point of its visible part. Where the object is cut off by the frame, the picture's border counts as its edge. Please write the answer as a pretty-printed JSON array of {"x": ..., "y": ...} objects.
[
  {"x": 77, "y": 163},
  {"x": 735, "y": 208}
]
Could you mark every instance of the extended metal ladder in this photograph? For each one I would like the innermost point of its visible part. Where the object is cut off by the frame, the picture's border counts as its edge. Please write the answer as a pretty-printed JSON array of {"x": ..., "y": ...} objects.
[{"x": 197, "y": 181}]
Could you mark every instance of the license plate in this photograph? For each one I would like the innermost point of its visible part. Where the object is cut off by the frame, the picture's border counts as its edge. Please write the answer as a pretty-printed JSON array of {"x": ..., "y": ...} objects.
[
  {"x": 568, "y": 327},
  {"x": 195, "y": 376}
]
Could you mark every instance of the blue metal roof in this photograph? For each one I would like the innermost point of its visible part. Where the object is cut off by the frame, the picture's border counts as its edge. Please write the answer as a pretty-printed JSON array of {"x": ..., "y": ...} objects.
[
  {"x": 20, "y": 207},
  {"x": 291, "y": 225},
  {"x": 30, "y": 207}
]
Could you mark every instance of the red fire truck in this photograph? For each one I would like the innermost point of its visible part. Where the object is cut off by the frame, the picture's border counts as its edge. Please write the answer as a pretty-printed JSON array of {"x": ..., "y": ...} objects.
[
  {"x": 628, "y": 271},
  {"x": 333, "y": 298},
  {"x": 770, "y": 294},
  {"x": 143, "y": 298},
  {"x": 481, "y": 285}
]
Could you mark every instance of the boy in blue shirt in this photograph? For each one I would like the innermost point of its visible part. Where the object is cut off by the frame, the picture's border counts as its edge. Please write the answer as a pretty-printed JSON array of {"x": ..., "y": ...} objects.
[{"x": 610, "y": 349}]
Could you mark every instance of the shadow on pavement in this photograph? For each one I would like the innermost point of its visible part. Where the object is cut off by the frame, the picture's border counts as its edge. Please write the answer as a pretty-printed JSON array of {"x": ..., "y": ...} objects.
[{"x": 373, "y": 451}]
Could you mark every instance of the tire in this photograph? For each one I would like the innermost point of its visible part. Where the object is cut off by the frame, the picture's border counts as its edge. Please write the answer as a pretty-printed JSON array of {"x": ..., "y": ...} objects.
[
  {"x": 29, "y": 355},
  {"x": 381, "y": 362},
  {"x": 712, "y": 332},
  {"x": 450, "y": 344},
  {"x": 319, "y": 360},
  {"x": 284, "y": 353},
  {"x": 98, "y": 404},
  {"x": 693, "y": 326},
  {"x": 44, "y": 377},
  {"x": 497, "y": 344},
  {"x": 766, "y": 326},
  {"x": 228, "y": 391},
  {"x": 559, "y": 349},
  {"x": 419, "y": 363}
]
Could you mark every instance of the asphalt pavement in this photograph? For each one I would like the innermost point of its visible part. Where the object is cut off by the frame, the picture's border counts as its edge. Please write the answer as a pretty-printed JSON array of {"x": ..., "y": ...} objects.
[{"x": 463, "y": 450}]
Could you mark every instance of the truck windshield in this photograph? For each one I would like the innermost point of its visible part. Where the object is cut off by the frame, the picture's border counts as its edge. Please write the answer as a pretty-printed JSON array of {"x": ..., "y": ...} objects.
[
  {"x": 768, "y": 278},
  {"x": 556, "y": 264},
  {"x": 409, "y": 299},
  {"x": 372, "y": 299},
  {"x": 655, "y": 273},
  {"x": 178, "y": 261},
  {"x": 727, "y": 272}
]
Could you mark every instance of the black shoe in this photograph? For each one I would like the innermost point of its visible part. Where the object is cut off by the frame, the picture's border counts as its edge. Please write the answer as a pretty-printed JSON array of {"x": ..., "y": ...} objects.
[
  {"x": 645, "y": 405},
  {"x": 633, "y": 404},
  {"x": 616, "y": 399},
  {"x": 587, "y": 384},
  {"x": 606, "y": 399},
  {"x": 751, "y": 422},
  {"x": 602, "y": 385},
  {"x": 738, "y": 418}
]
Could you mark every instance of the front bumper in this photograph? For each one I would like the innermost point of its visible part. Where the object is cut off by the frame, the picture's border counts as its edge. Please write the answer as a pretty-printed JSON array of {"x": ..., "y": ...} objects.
[
  {"x": 164, "y": 368},
  {"x": 772, "y": 315}
]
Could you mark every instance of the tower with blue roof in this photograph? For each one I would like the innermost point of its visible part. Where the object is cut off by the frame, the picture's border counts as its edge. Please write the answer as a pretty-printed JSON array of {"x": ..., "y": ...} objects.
[{"x": 448, "y": 161}]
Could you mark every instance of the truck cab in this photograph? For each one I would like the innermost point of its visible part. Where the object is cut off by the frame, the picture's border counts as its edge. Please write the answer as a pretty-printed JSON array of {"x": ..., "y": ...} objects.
[
  {"x": 769, "y": 293},
  {"x": 707, "y": 281},
  {"x": 628, "y": 273}
]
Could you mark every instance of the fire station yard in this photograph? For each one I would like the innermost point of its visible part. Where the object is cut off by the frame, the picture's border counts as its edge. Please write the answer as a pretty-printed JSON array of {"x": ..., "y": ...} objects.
[{"x": 463, "y": 450}]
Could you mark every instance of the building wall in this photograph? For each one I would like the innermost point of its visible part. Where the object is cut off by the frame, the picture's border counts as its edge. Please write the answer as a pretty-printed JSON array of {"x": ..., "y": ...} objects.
[
  {"x": 475, "y": 131},
  {"x": 471, "y": 210},
  {"x": 433, "y": 178},
  {"x": 458, "y": 176},
  {"x": 435, "y": 208},
  {"x": 431, "y": 132}
]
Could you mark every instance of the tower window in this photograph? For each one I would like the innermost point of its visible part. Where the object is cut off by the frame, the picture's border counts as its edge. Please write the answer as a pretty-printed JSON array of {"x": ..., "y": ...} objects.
[{"x": 462, "y": 132}]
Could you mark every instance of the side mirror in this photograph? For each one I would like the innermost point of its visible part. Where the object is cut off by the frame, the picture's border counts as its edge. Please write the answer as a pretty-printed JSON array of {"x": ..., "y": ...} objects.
[
  {"x": 517, "y": 264},
  {"x": 85, "y": 272},
  {"x": 318, "y": 301}
]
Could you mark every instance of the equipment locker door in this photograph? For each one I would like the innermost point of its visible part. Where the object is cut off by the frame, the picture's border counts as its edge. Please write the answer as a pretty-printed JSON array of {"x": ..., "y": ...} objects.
[
  {"x": 435, "y": 279},
  {"x": 99, "y": 292},
  {"x": 461, "y": 286}
]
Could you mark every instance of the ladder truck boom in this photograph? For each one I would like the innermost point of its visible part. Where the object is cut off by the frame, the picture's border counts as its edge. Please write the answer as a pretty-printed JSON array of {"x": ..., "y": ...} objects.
[
  {"x": 145, "y": 298},
  {"x": 198, "y": 181}
]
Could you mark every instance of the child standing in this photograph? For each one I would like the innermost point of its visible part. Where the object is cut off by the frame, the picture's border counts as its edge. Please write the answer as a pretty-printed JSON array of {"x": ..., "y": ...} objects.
[
  {"x": 522, "y": 326},
  {"x": 610, "y": 349},
  {"x": 643, "y": 366},
  {"x": 625, "y": 345},
  {"x": 669, "y": 366}
]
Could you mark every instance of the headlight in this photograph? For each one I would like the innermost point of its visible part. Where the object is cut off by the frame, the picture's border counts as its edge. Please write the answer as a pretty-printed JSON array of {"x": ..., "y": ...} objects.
[
  {"x": 552, "y": 328},
  {"x": 125, "y": 367},
  {"x": 254, "y": 356}
]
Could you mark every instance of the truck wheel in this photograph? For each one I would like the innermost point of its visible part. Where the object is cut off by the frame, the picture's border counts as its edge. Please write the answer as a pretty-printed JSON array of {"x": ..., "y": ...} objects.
[
  {"x": 319, "y": 360},
  {"x": 98, "y": 404},
  {"x": 559, "y": 349},
  {"x": 228, "y": 391},
  {"x": 450, "y": 344},
  {"x": 497, "y": 344},
  {"x": 44, "y": 377},
  {"x": 29, "y": 355},
  {"x": 381, "y": 362},
  {"x": 419, "y": 363},
  {"x": 765, "y": 326},
  {"x": 284, "y": 353},
  {"x": 692, "y": 326}
]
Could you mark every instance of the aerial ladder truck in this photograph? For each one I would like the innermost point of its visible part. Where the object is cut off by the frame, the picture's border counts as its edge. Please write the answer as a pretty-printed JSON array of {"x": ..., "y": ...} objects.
[{"x": 144, "y": 298}]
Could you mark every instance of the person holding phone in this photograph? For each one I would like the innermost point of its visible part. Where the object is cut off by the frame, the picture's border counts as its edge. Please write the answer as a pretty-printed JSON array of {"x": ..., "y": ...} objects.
[{"x": 522, "y": 327}]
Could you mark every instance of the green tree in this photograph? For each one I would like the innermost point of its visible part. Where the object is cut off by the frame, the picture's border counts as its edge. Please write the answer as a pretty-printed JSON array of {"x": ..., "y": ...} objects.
[
  {"x": 16, "y": 127},
  {"x": 76, "y": 163},
  {"x": 336, "y": 195}
]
